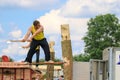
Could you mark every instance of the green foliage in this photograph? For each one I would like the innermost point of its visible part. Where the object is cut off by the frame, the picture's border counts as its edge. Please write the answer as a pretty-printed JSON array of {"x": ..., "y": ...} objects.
[
  {"x": 55, "y": 60},
  {"x": 41, "y": 60},
  {"x": 81, "y": 57},
  {"x": 103, "y": 32},
  {"x": 11, "y": 60}
]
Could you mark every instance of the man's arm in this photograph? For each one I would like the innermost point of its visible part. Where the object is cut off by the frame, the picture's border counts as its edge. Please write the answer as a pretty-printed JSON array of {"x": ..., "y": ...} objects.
[
  {"x": 38, "y": 31},
  {"x": 27, "y": 46},
  {"x": 26, "y": 35}
]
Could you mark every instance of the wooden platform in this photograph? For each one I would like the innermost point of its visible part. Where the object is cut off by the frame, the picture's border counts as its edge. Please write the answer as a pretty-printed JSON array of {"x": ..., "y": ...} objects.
[
  {"x": 48, "y": 63},
  {"x": 45, "y": 63}
]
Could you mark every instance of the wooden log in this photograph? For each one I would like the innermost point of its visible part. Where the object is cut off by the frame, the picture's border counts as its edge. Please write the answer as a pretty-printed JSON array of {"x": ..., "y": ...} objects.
[
  {"x": 17, "y": 41},
  {"x": 43, "y": 63},
  {"x": 67, "y": 52},
  {"x": 50, "y": 68},
  {"x": 14, "y": 40}
]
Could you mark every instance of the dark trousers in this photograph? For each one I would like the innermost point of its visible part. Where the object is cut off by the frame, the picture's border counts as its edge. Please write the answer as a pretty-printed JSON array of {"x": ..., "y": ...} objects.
[
  {"x": 37, "y": 56},
  {"x": 44, "y": 45}
]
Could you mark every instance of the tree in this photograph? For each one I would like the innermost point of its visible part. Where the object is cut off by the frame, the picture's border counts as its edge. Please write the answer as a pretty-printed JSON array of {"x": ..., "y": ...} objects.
[
  {"x": 55, "y": 60},
  {"x": 103, "y": 32},
  {"x": 81, "y": 57}
]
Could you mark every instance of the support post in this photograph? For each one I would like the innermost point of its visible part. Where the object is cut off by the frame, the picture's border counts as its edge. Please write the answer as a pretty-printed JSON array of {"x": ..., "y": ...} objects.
[
  {"x": 50, "y": 68},
  {"x": 67, "y": 52}
]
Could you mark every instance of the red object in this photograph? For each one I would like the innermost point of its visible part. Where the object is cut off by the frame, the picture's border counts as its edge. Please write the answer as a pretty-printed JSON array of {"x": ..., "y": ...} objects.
[{"x": 5, "y": 58}]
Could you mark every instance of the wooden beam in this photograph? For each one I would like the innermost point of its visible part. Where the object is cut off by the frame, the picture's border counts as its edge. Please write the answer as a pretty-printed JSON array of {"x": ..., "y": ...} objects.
[
  {"x": 43, "y": 63},
  {"x": 14, "y": 40},
  {"x": 17, "y": 41},
  {"x": 67, "y": 52},
  {"x": 49, "y": 63},
  {"x": 50, "y": 68}
]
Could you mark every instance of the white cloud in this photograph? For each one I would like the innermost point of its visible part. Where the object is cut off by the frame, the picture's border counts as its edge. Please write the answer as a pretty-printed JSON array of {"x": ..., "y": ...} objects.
[
  {"x": 52, "y": 23},
  {"x": 35, "y": 4},
  {"x": 88, "y": 8},
  {"x": 53, "y": 38},
  {"x": 78, "y": 27},
  {"x": 16, "y": 34},
  {"x": 14, "y": 50}
]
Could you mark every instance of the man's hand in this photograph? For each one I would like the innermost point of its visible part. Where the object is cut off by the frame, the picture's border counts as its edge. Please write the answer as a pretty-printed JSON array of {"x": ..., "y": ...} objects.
[
  {"x": 23, "y": 40},
  {"x": 30, "y": 39},
  {"x": 25, "y": 47}
]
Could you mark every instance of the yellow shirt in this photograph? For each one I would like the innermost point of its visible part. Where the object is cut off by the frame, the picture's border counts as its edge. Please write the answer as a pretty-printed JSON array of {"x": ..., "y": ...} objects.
[{"x": 39, "y": 36}]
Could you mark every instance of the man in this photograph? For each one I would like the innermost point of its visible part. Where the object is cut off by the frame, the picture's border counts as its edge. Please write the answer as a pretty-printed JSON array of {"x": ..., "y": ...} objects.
[
  {"x": 37, "y": 38},
  {"x": 37, "y": 51}
]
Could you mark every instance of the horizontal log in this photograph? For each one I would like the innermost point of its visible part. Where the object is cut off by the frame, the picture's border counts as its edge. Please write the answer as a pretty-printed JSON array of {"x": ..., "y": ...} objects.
[{"x": 43, "y": 63}]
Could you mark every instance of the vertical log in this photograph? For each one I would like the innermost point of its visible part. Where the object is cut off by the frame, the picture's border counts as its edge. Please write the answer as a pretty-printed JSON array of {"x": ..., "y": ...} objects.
[
  {"x": 50, "y": 68},
  {"x": 67, "y": 52}
]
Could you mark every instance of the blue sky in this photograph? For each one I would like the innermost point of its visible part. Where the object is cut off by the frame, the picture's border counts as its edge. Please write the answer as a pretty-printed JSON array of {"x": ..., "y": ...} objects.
[{"x": 17, "y": 15}]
